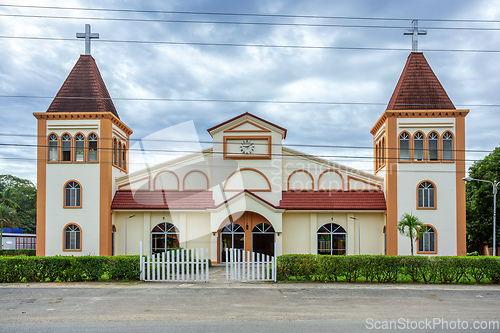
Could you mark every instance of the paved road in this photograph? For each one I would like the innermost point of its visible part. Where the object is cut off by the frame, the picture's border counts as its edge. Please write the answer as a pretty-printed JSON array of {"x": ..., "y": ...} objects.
[{"x": 245, "y": 307}]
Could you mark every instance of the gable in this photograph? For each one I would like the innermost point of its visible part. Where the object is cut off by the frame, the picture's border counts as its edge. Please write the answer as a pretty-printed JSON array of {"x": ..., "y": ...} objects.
[
  {"x": 247, "y": 122},
  {"x": 246, "y": 126}
]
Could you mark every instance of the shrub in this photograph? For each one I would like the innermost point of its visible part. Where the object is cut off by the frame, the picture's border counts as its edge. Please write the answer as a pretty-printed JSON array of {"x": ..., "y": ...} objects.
[
  {"x": 66, "y": 268},
  {"x": 388, "y": 269},
  {"x": 6, "y": 252}
]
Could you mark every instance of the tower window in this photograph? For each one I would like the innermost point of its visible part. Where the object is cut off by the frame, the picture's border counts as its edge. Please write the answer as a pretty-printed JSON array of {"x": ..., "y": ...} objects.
[
  {"x": 66, "y": 147},
  {"x": 404, "y": 147},
  {"x": 119, "y": 154},
  {"x": 72, "y": 193},
  {"x": 383, "y": 151},
  {"x": 114, "y": 151},
  {"x": 418, "y": 146},
  {"x": 427, "y": 239},
  {"x": 79, "y": 148},
  {"x": 124, "y": 156},
  {"x": 426, "y": 195},
  {"x": 92, "y": 148},
  {"x": 72, "y": 237},
  {"x": 447, "y": 146},
  {"x": 52, "y": 148},
  {"x": 433, "y": 146}
]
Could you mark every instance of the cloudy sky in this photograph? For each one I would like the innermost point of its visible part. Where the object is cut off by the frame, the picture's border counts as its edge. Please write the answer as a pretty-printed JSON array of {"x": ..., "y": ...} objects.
[{"x": 339, "y": 53}]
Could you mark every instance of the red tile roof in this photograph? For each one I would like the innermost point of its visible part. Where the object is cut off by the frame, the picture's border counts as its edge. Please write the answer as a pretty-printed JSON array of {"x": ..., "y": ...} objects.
[
  {"x": 418, "y": 87},
  {"x": 84, "y": 90},
  {"x": 292, "y": 200},
  {"x": 333, "y": 200},
  {"x": 126, "y": 199}
]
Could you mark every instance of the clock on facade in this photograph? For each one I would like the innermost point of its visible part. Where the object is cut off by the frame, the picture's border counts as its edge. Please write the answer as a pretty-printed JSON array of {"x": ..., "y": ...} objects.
[{"x": 247, "y": 147}]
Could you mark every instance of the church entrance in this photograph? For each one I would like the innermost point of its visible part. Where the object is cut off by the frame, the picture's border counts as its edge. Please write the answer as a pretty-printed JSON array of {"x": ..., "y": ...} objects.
[{"x": 249, "y": 231}]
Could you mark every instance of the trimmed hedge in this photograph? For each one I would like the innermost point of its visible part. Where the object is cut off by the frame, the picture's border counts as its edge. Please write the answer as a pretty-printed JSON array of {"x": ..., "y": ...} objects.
[
  {"x": 68, "y": 269},
  {"x": 388, "y": 269},
  {"x": 29, "y": 253}
]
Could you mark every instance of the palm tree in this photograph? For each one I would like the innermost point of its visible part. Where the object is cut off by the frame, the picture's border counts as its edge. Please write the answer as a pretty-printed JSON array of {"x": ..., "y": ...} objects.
[
  {"x": 410, "y": 226},
  {"x": 8, "y": 211}
]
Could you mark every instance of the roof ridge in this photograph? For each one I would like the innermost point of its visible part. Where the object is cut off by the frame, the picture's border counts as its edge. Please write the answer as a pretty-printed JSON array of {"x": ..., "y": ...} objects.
[{"x": 418, "y": 87}]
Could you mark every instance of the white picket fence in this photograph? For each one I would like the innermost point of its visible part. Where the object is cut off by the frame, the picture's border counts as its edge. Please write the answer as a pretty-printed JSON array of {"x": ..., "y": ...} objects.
[
  {"x": 186, "y": 265},
  {"x": 249, "y": 266}
]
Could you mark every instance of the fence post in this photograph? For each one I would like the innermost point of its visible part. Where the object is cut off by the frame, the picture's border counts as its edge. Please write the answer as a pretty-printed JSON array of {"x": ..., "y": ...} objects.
[
  {"x": 206, "y": 264},
  {"x": 227, "y": 264},
  {"x": 163, "y": 266},
  {"x": 275, "y": 264},
  {"x": 141, "y": 261}
]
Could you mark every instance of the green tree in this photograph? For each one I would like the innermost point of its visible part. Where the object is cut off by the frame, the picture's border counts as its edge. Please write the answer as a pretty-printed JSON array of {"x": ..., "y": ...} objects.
[
  {"x": 8, "y": 211},
  {"x": 22, "y": 192},
  {"x": 479, "y": 201},
  {"x": 410, "y": 226}
]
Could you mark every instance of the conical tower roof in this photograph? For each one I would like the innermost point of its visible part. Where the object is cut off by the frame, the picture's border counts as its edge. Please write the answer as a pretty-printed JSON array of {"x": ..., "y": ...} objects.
[
  {"x": 84, "y": 90},
  {"x": 418, "y": 87}
]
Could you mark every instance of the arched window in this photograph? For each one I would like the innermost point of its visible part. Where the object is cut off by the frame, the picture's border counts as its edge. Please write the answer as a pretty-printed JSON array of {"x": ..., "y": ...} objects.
[
  {"x": 72, "y": 238},
  {"x": 52, "y": 148},
  {"x": 164, "y": 237},
  {"x": 232, "y": 237},
  {"x": 331, "y": 239},
  {"x": 114, "y": 151},
  {"x": 383, "y": 151},
  {"x": 426, "y": 195},
  {"x": 66, "y": 147},
  {"x": 385, "y": 240},
  {"x": 418, "y": 146},
  {"x": 119, "y": 157},
  {"x": 124, "y": 156},
  {"x": 433, "y": 146},
  {"x": 79, "y": 148},
  {"x": 447, "y": 146},
  {"x": 378, "y": 155},
  {"x": 404, "y": 147},
  {"x": 427, "y": 239},
  {"x": 72, "y": 195},
  {"x": 113, "y": 238},
  {"x": 92, "y": 155}
]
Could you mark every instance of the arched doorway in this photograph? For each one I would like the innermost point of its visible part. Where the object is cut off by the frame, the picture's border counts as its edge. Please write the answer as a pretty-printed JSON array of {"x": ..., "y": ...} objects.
[
  {"x": 249, "y": 231},
  {"x": 263, "y": 239}
]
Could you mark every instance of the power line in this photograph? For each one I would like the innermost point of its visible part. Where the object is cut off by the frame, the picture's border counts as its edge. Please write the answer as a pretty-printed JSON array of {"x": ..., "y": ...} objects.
[
  {"x": 306, "y": 47},
  {"x": 214, "y": 166},
  {"x": 314, "y": 25},
  {"x": 241, "y": 101},
  {"x": 250, "y": 14},
  {"x": 221, "y": 142},
  {"x": 183, "y": 151}
]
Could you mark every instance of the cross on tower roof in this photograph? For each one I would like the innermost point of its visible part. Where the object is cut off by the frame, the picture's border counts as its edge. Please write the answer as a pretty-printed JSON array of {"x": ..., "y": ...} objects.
[
  {"x": 415, "y": 32},
  {"x": 87, "y": 35}
]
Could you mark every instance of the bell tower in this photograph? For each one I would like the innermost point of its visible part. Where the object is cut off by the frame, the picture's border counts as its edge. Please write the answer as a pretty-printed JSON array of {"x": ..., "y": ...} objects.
[
  {"x": 82, "y": 148},
  {"x": 419, "y": 148}
]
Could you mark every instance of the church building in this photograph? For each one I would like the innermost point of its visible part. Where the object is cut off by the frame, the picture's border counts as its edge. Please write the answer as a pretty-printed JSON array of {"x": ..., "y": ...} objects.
[{"x": 249, "y": 190}]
